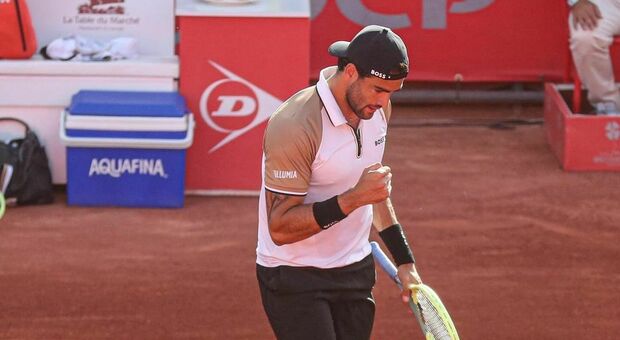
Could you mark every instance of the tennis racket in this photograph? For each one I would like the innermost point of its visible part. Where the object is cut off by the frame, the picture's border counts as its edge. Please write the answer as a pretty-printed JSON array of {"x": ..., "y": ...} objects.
[
  {"x": 432, "y": 315},
  {"x": 2, "y": 205}
]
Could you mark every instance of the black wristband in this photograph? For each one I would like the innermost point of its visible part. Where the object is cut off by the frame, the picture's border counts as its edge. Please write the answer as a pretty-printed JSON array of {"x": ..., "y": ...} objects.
[
  {"x": 394, "y": 239},
  {"x": 328, "y": 212}
]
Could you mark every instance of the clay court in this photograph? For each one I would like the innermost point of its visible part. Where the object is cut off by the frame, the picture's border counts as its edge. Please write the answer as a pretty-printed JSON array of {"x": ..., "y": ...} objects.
[{"x": 516, "y": 247}]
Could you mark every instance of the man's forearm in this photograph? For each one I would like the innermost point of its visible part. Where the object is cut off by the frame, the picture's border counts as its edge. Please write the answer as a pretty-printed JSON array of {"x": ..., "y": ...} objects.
[
  {"x": 383, "y": 215},
  {"x": 391, "y": 232},
  {"x": 289, "y": 219}
]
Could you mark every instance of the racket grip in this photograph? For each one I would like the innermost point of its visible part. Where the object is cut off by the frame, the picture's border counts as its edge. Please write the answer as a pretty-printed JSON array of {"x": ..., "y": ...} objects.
[{"x": 385, "y": 263}]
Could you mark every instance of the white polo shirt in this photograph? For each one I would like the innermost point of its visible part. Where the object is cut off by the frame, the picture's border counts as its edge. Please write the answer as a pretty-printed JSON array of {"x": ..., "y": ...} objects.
[{"x": 311, "y": 151}]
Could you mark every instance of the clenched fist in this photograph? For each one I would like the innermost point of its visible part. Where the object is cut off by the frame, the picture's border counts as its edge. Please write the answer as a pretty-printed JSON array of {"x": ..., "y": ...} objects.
[{"x": 374, "y": 186}]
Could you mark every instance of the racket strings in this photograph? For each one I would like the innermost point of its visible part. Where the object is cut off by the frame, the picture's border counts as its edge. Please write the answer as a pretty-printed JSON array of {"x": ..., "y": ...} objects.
[{"x": 431, "y": 318}]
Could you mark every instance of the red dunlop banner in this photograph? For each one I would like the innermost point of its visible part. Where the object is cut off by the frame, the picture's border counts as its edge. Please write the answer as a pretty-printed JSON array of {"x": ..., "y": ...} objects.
[
  {"x": 480, "y": 40},
  {"x": 235, "y": 72}
]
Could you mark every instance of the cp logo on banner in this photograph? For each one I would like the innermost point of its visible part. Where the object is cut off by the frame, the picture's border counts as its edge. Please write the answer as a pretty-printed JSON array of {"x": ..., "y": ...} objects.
[
  {"x": 434, "y": 12},
  {"x": 234, "y": 106}
]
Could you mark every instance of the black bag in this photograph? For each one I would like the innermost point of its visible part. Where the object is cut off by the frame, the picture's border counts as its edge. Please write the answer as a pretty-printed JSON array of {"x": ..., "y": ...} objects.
[{"x": 31, "y": 182}]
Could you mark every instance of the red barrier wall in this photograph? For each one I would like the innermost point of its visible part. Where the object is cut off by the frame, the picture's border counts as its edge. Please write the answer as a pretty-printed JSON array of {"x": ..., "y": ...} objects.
[{"x": 482, "y": 40}]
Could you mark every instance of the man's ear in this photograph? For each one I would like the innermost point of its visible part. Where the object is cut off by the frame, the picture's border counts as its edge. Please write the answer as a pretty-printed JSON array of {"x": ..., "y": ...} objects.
[{"x": 351, "y": 72}]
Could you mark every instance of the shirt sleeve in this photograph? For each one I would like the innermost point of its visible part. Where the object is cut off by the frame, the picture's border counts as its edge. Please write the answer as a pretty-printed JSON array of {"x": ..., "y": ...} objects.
[{"x": 289, "y": 153}]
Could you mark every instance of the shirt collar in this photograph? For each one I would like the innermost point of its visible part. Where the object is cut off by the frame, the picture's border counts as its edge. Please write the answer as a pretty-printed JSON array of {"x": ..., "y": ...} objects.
[{"x": 327, "y": 97}]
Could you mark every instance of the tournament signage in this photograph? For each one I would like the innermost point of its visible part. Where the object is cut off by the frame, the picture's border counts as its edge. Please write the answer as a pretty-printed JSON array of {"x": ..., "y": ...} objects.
[
  {"x": 151, "y": 22},
  {"x": 234, "y": 106},
  {"x": 469, "y": 40},
  {"x": 236, "y": 69}
]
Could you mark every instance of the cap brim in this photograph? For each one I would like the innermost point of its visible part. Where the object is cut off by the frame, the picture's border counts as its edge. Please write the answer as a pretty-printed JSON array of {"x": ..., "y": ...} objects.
[{"x": 339, "y": 49}]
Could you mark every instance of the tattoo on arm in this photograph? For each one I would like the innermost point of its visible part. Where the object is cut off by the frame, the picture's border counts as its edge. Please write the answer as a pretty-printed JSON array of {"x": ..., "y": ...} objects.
[
  {"x": 290, "y": 220},
  {"x": 274, "y": 200}
]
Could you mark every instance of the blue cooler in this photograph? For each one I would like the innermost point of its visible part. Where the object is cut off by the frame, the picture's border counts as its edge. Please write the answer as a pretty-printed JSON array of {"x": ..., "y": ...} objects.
[{"x": 126, "y": 148}]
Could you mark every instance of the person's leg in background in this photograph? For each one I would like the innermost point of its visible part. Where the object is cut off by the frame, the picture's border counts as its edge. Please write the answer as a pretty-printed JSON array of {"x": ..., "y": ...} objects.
[{"x": 590, "y": 50}]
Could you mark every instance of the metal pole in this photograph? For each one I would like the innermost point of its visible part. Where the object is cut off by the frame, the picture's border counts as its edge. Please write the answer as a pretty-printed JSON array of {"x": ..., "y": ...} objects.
[{"x": 432, "y": 96}]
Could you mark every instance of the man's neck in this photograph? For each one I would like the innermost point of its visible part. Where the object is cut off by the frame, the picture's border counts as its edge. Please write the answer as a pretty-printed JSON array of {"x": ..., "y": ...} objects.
[{"x": 339, "y": 91}]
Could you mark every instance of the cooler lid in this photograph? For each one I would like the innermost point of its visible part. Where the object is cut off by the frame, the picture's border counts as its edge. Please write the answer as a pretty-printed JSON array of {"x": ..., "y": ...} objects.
[{"x": 128, "y": 103}]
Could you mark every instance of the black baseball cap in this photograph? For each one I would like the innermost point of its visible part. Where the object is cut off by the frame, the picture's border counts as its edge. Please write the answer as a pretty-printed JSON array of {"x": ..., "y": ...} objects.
[{"x": 375, "y": 50}]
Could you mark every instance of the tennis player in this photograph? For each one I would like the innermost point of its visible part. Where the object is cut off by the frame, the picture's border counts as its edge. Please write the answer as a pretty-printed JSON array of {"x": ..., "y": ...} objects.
[{"x": 324, "y": 187}]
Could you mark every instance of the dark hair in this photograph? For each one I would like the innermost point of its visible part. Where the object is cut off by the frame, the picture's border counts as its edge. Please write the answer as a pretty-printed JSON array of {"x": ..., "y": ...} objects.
[
  {"x": 342, "y": 62},
  {"x": 400, "y": 68}
]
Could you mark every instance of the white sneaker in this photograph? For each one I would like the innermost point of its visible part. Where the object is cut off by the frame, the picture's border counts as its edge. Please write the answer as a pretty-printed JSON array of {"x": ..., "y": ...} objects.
[{"x": 607, "y": 109}]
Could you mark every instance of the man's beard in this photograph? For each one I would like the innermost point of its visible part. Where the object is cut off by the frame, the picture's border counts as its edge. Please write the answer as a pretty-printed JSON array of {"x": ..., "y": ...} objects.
[{"x": 352, "y": 97}]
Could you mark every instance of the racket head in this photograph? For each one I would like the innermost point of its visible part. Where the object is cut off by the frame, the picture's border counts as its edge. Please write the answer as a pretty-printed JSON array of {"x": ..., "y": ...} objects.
[
  {"x": 417, "y": 291},
  {"x": 432, "y": 315}
]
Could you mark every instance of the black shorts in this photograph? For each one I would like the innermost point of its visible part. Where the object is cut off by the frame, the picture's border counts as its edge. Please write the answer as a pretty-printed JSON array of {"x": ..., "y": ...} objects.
[{"x": 313, "y": 303}]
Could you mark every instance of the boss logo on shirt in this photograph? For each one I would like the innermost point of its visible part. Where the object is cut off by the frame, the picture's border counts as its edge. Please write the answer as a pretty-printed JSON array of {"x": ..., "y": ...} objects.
[
  {"x": 284, "y": 174},
  {"x": 380, "y": 141}
]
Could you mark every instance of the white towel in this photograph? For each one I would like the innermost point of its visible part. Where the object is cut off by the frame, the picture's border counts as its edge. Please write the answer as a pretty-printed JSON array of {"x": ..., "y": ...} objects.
[{"x": 78, "y": 48}]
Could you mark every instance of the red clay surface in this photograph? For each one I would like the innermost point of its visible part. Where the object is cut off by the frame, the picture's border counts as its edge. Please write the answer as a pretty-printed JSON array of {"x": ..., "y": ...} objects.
[{"x": 516, "y": 248}]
